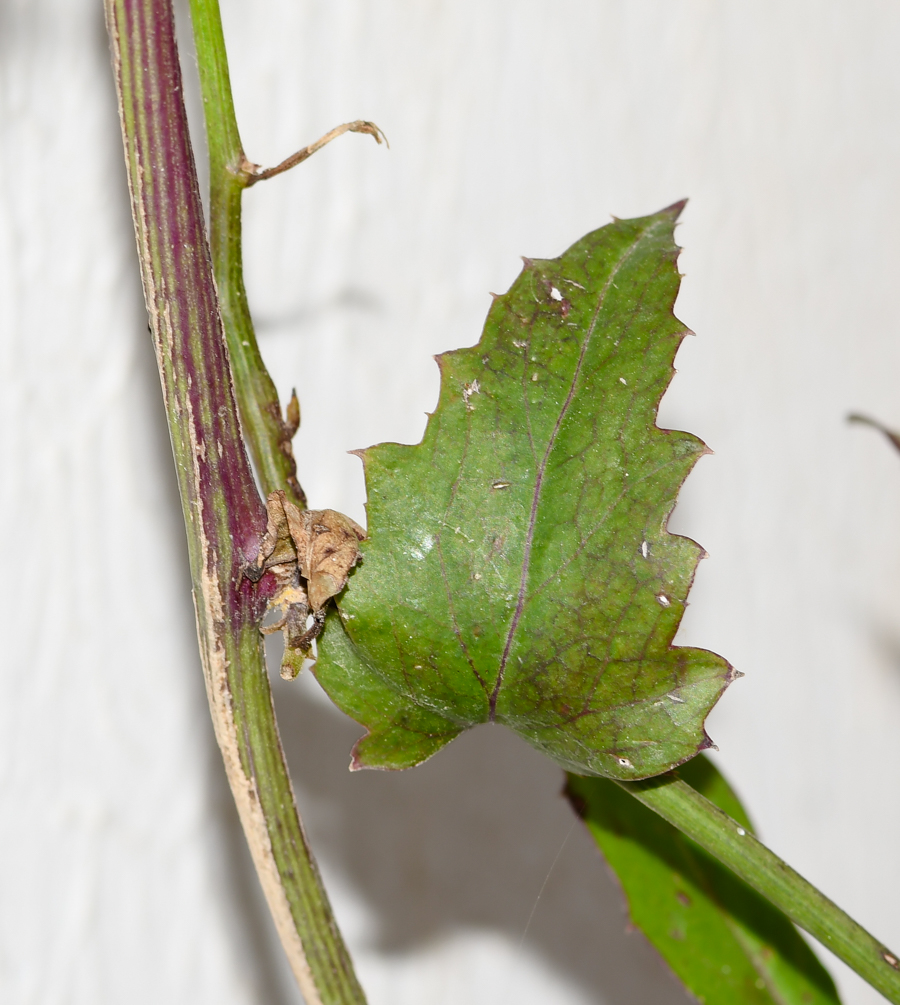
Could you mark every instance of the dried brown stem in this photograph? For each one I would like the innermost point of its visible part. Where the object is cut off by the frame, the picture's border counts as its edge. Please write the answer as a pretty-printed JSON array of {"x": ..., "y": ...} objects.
[{"x": 255, "y": 172}]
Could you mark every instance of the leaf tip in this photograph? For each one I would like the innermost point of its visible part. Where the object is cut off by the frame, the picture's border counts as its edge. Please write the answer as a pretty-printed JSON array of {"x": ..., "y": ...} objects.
[{"x": 676, "y": 209}]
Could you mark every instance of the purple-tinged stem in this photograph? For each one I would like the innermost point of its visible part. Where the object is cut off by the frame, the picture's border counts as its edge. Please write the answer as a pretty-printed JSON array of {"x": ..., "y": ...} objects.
[{"x": 224, "y": 515}]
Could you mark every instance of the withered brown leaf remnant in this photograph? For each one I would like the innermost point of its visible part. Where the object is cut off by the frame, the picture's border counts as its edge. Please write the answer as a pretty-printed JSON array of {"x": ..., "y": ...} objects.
[
  {"x": 327, "y": 544},
  {"x": 310, "y": 553}
]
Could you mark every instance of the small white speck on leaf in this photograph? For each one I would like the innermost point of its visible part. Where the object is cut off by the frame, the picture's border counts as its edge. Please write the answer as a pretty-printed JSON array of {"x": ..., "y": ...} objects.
[
  {"x": 664, "y": 600},
  {"x": 500, "y": 484},
  {"x": 624, "y": 762},
  {"x": 418, "y": 666},
  {"x": 477, "y": 576},
  {"x": 555, "y": 294},
  {"x": 534, "y": 376},
  {"x": 468, "y": 391},
  {"x": 676, "y": 699},
  {"x": 741, "y": 832},
  {"x": 519, "y": 345},
  {"x": 622, "y": 380},
  {"x": 645, "y": 549}
]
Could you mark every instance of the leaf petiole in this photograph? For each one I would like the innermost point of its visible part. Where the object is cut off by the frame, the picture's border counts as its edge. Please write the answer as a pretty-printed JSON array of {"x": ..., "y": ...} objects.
[{"x": 733, "y": 845}]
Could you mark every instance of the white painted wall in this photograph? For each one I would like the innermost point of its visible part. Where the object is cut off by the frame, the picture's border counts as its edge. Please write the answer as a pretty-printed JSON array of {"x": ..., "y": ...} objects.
[{"x": 515, "y": 127}]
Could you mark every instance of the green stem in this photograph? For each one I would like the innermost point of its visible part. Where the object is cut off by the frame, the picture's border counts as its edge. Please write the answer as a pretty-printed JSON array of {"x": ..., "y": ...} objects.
[
  {"x": 224, "y": 515},
  {"x": 725, "y": 839},
  {"x": 268, "y": 434}
]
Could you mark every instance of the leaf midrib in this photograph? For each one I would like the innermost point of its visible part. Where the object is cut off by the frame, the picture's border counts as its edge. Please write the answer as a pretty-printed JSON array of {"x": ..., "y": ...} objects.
[{"x": 535, "y": 499}]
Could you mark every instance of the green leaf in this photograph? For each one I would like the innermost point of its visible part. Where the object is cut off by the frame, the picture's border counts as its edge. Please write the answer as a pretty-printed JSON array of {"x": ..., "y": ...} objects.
[
  {"x": 518, "y": 567},
  {"x": 727, "y": 943}
]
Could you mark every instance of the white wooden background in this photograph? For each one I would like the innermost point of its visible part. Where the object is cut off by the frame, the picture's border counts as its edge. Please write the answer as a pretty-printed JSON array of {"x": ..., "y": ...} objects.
[{"x": 515, "y": 127}]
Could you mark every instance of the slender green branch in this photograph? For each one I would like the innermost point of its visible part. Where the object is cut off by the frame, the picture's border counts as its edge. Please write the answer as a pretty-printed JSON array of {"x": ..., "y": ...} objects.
[
  {"x": 725, "y": 839},
  {"x": 268, "y": 434},
  {"x": 224, "y": 516}
]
